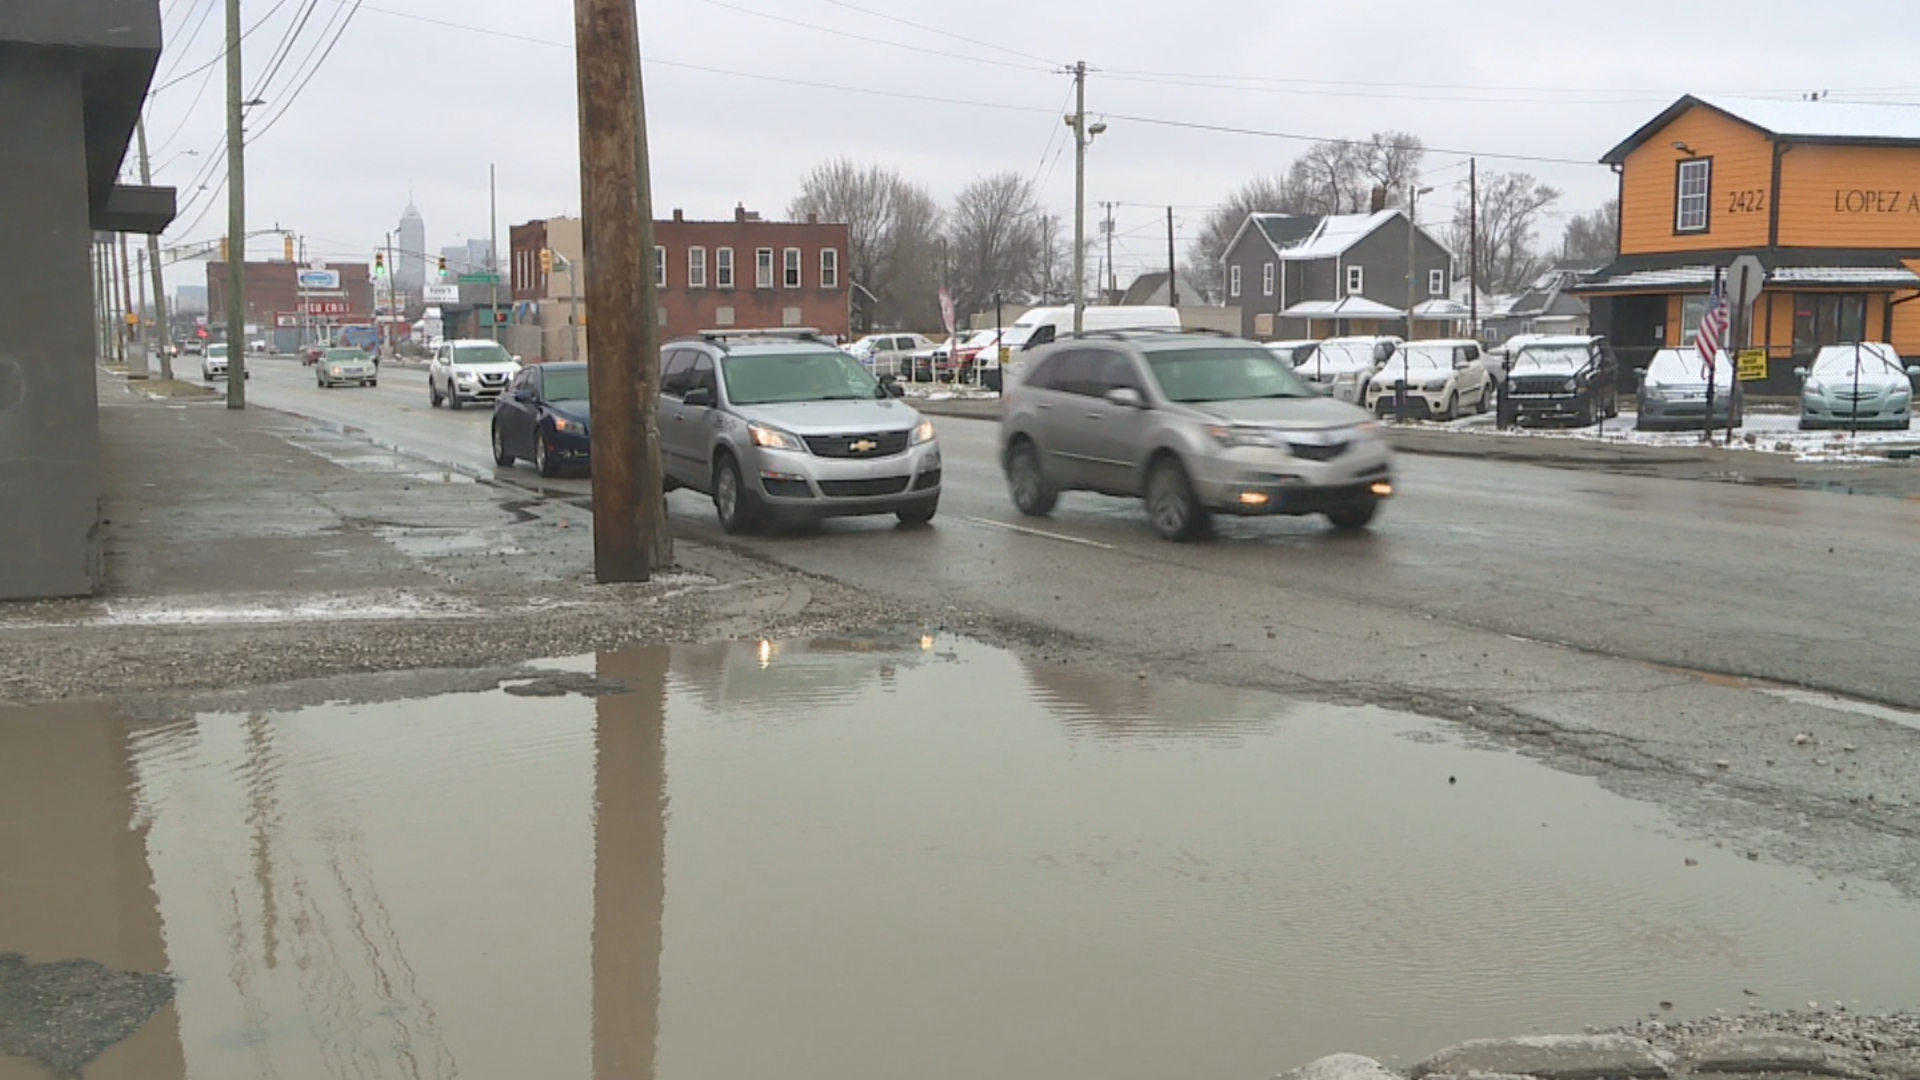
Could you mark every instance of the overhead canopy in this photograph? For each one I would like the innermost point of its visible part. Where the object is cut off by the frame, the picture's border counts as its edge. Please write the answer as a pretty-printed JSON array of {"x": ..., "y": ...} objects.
[
  {"x": 1441, "y": 308},
  {"x": 1347, "y": 307},
  {"x": 1786, "y": 269}
]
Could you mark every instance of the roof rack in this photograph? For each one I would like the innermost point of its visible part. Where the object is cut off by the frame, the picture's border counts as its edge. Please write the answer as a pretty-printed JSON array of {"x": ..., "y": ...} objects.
[
  {"x": 785, "y": 333},
  {"x": 1157, "y": 331}
]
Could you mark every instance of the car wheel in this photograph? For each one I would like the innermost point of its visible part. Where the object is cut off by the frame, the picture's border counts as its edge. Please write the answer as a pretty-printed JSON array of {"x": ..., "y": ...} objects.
[
  {"x": 373, "y": 382},
  {"x": 1613, "y": 406},
  {"x": 1172, "y": 508},
  {"x": 543, "y": 459},
  {"x": 1805, "y": 424},
  {"x": 433, "y": 394},
  {"x": 1032, "y": 494},
  {"x": 1355, "y": 516},
  {"x": 500, "y": 455},
  {"x": 919, "y": 513},
  {"x": 453, "y": 399},
  {"x": 737, "y": 508},
  {"x": 1453, "y": 406}
]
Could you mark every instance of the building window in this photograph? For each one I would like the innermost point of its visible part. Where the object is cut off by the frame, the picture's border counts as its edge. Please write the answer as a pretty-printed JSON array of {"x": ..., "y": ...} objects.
[
  {"x": 723, "y": 316},
  {"x": 696, "y": 268},
  {"x": 1266, "y": 280},
  {"x": 1828, "y": 319},
  {"x": 829, "y": 268},
  {"x": 791, "y": 316},
  {"x": 1233, "y": 281},
  {"x": 1356, "y": 280},
  {"x": 723, "y": 267},
  {"x": 763, "y": 268},
  {"x": 660, "y": 267},
  {"x": 1693, "y": 186},
  {"x": 1436, "y": 283},
  {"x": 792, "y": 278}
]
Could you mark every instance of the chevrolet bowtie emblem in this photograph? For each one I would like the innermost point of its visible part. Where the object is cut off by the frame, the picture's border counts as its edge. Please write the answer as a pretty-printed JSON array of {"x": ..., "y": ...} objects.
[{"x": 862, "y": 446}]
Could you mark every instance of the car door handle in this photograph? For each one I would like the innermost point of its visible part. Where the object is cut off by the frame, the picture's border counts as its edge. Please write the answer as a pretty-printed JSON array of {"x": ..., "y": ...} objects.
[
  {"x": 1096, "y": 416},
  {"x": 1043, "y": 406}
]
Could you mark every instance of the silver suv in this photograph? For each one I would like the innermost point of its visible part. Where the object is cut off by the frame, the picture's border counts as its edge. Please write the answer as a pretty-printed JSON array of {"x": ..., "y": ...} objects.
[
  {"x": 782, "y": 423},
  {"x": 1194, "y": 425}
]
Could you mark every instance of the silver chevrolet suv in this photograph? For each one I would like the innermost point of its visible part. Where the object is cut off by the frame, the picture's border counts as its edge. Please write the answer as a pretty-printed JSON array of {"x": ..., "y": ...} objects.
[
  {"x": 1194, "y": 425},
  {"x": 781, "y": 424}
]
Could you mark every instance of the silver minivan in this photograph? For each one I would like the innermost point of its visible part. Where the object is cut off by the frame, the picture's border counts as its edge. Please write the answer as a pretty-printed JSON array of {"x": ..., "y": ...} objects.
[
  {"x": 1194, "y": 425},
  {"x": 783, "y": 424}
]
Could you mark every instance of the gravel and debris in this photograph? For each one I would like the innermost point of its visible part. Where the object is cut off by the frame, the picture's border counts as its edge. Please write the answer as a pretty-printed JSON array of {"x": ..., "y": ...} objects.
[{"x": 65, "y": 1013}]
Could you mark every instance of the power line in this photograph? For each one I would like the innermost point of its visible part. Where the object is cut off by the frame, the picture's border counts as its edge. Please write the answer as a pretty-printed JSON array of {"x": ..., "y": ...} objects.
[
  {"x": 879, "y": 41},
  {"x": 186, "y": 46},
  {"x": 1228, "y": 129},
  {"x": 244, "y": 34},
  {"x": 310, "y": 73},
  {"x": 943, "y": 33}
]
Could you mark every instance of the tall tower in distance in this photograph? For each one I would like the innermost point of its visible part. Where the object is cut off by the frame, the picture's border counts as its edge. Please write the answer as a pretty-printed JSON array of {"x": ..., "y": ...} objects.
[{"x": 410, "y": 261}]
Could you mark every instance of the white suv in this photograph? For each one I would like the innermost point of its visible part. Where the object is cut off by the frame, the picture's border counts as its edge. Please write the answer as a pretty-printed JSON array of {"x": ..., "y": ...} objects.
[{"x": 469, "y": 370}]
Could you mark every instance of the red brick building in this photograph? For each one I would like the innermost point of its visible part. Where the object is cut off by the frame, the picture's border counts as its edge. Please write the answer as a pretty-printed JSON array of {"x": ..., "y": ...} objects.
[
  {"x": 745, "y": 274},
  {"x": 274, "y": 296}
]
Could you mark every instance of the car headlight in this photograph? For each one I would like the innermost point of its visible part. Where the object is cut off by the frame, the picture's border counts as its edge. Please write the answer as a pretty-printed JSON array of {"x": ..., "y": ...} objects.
[
  {"x": 1900, "y": 390},
  {"x": 1368, "y": 430},
  {"x": 1654, "y": 393},
  {"x": 1815, "y": 387},
  {"x": 774, "y": 439},
  {"x": 336, "y": 371},
  {"x": 1570, "y": 385},
  {"x": 1232, "y": 435},
  {"x": 572, "y": 427},
  {"x": 922, "y": 433},
  {"x": 1432, "y": 385}
]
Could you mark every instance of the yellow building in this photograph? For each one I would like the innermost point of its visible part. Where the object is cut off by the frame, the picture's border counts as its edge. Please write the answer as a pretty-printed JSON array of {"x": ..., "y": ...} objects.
[{"x": 1825, "y": 194}]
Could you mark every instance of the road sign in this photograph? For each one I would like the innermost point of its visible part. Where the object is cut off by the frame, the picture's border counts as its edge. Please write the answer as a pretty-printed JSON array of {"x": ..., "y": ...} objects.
[
  {"x": 1745, "y": 278},
  {"x": 440, "y": 294},
  {"x": 479, "y": 279},
  {"x": 1752, "y": 365}
]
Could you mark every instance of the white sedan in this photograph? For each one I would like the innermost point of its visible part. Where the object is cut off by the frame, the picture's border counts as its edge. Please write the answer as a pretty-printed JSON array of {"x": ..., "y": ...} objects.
[{"x": 1443, "y": 378}]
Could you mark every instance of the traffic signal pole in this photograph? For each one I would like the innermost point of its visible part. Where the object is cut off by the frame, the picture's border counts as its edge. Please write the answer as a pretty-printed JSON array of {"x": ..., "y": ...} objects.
[
  {"x": 630, "y": 538},
  {"x": 236, "y": 298}
]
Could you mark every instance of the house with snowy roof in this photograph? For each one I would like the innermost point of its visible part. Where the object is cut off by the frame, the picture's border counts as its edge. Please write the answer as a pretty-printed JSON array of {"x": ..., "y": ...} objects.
[
  {"x": 1316, "y": 276},
  {"x": 1825, "y": 194}
]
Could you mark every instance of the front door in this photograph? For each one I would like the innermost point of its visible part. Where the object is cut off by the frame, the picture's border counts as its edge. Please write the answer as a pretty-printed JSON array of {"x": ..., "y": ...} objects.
[
  {"x": 1114, "y": 432},
  {"x": 676, "y": 370},
  {"x": 1638, "y": 330}
]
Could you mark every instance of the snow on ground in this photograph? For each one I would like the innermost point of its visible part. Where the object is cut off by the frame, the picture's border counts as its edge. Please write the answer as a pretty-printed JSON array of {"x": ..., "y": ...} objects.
[{"x": 1768, "y": 432}]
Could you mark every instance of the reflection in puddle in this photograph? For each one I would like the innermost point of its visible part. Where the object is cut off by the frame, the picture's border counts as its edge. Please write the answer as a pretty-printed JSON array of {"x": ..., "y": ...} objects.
[{"x": 870, "y": 858}]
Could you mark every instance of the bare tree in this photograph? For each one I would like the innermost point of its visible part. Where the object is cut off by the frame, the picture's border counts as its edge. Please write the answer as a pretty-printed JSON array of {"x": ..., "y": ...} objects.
[
  {"x": 1327, "y": 179},
  {"x": 1595, "y": 236},
  {"x": 1390, "y": 161},
  {"x": 1260, "y": 195},
  {"x": 892, "y": 225},
  {"x": 1510, "y": 204},
  {"x": 996, "y": 237}
]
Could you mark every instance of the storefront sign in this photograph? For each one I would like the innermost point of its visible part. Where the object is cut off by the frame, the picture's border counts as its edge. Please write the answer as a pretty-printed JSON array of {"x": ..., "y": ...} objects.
[
  {"x": 326, "y": 307},
  {"x": 1753, "y": 365},
  {"x": 1884, "y": 201},
  {"x": 440, "y": 294},
  {"x": 319, "y": 279}
]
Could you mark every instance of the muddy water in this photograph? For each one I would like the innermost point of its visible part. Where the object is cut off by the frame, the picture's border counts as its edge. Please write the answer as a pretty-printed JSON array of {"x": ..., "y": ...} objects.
[{"x": 851, "y": 859}]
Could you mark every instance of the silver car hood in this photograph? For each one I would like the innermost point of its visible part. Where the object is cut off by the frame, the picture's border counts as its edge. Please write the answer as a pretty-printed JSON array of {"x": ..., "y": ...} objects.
[
  {"x": 1303, "y": 414},
  {"x": 831, "y": 417},
  {"x": 503, "y": 368},
  {"x": 1550, "y": 368},
  {"x": 1872, "y": 377}
]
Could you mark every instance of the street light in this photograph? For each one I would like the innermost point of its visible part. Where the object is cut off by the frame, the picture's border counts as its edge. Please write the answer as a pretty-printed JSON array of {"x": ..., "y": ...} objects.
[{"x": 1413, "y": 227}]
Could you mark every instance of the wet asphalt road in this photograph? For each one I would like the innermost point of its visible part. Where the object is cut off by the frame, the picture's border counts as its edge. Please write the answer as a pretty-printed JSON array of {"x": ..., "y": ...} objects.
[{"x": 1647, "y": 632}]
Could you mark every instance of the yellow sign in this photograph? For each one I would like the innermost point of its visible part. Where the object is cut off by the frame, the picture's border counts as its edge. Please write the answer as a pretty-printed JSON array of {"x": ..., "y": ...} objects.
[
  {"x": 132, "y": 319},
  {"x": 1753, "y": 365}
]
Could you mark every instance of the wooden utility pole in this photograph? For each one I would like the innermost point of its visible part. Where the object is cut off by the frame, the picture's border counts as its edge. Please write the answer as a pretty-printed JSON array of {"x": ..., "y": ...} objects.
[
  {"x": 1473, "y": 246},
  {"x": 630, "y": 537},
  {"x": 236, "y": 221},
  {"x": 1173, "y": 271},
  {"x": 153, "y": 259}
]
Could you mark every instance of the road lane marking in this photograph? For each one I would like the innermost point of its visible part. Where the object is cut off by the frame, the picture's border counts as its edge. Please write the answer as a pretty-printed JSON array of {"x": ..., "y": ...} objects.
[{"x": 1010, "y": 527}]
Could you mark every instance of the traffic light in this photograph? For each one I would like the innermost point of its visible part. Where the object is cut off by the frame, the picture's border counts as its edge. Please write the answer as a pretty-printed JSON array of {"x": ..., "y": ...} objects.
[
  {"x": 289, "y": 241},
  {"x": 379, "y": 264},
  {"x": 443, "y": 266},
  {"x": 546, "y": 260},
  {"x": 223, "y": 249}
]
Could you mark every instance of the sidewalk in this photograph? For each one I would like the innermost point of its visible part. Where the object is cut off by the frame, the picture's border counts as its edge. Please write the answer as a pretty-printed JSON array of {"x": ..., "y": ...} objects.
[{"x": 250, "y": 546}]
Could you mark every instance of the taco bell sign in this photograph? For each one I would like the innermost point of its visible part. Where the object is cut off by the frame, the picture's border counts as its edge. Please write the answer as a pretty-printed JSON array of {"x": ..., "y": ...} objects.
[{"x": 319, "y": 279}]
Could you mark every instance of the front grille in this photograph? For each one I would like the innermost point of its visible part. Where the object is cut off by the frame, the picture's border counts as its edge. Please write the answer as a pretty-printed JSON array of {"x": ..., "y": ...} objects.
[
  {"x": 1537, "y": 385},
  {"x": 1318, "y": 452},
  {"x": 787, "y": 489},
  {"x": 928, "y": 479},
  {"x": 492, "y": 379},
  {"x": 871, "y": 445},
  {"x": 862, "y": 489}
]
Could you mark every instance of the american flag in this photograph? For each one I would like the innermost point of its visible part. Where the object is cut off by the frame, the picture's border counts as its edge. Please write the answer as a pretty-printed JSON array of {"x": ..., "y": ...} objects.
[{"x": 1713, "y": 324}]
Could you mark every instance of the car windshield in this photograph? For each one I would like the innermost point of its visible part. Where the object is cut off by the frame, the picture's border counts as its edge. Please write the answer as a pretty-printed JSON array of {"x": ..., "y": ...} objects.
[
  {"x": 1686, "y": 367},
  {"x": 815, "y": 375},
  {"x": 1335, "y": 359},
  {"x": 1419, "y": 360},
  {"x": 484, "y": 353},
  {"x": 1840, "y": 362},
  {"x": 344, "y": 355},
  {"x": 216, "y": 350},
  {"x": 1551, "y": 357},
  {"x": 1224, "y": 373},
  {"x": 565, "y": 385},
  {"x": 981, "y": 339}
]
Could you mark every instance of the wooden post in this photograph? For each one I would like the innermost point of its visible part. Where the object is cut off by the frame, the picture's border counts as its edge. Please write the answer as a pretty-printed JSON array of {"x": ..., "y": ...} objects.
[{"x": 630, "y": 535}]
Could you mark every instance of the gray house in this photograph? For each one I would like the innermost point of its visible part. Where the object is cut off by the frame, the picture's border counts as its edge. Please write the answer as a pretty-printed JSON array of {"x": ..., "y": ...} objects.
[
  {"x": 1313, "y": 276},
  {"x": 1546, "y": 307}
]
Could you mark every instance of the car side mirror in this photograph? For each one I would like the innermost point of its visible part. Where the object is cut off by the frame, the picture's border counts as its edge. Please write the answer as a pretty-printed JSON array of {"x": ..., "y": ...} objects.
[
  {"x": 517, "y": 360},
  {"x": 1914, "y": 370},
  {"x": 1127, "y": 396},
  {"x": 893, "y": 388},
  {"x": 699, "y": 397},
  {"x": 1800, "y": 371},
  {"x": 523, "y": 395}
]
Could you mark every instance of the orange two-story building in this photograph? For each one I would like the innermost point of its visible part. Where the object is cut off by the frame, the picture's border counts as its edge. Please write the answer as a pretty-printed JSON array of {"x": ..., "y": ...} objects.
[{"x": 1826, "y": 195}]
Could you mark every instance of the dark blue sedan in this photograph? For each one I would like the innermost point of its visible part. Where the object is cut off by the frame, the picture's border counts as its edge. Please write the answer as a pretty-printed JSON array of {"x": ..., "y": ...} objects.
[{"x": 543, "y": 418}]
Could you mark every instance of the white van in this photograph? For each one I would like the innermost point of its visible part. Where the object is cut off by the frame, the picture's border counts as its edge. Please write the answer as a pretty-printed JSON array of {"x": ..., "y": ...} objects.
[{"x": 1044, "y": 324}]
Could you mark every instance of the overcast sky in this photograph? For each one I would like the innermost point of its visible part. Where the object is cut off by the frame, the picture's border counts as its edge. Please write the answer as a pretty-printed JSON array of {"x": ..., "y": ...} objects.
[{"x": 744, "y": 96}]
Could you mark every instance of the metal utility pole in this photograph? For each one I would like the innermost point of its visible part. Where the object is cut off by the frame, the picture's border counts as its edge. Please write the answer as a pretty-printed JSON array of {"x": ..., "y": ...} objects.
[
  {"x": 630, "y": 538},
  {"x": 153, "y": 259},
  {"x": 1112, "y": 281},
  {"x": 1473, "y": 245},
  {"x": 236, "y": 221},
  {"x": 393, "y": 298},
  {"x": 130, "y": 313},
  {"x": 573, "y": 314},
  {"x": 1081, "y": 136},
  {"x": 1173, "y": 272},
  {"x": 493, "y": 252},
  {"x": 1413, "y": 264}
]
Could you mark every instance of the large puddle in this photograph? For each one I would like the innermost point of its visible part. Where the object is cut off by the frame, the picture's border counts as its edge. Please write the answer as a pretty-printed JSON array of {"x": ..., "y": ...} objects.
[{"x": 859, "y": 859}]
